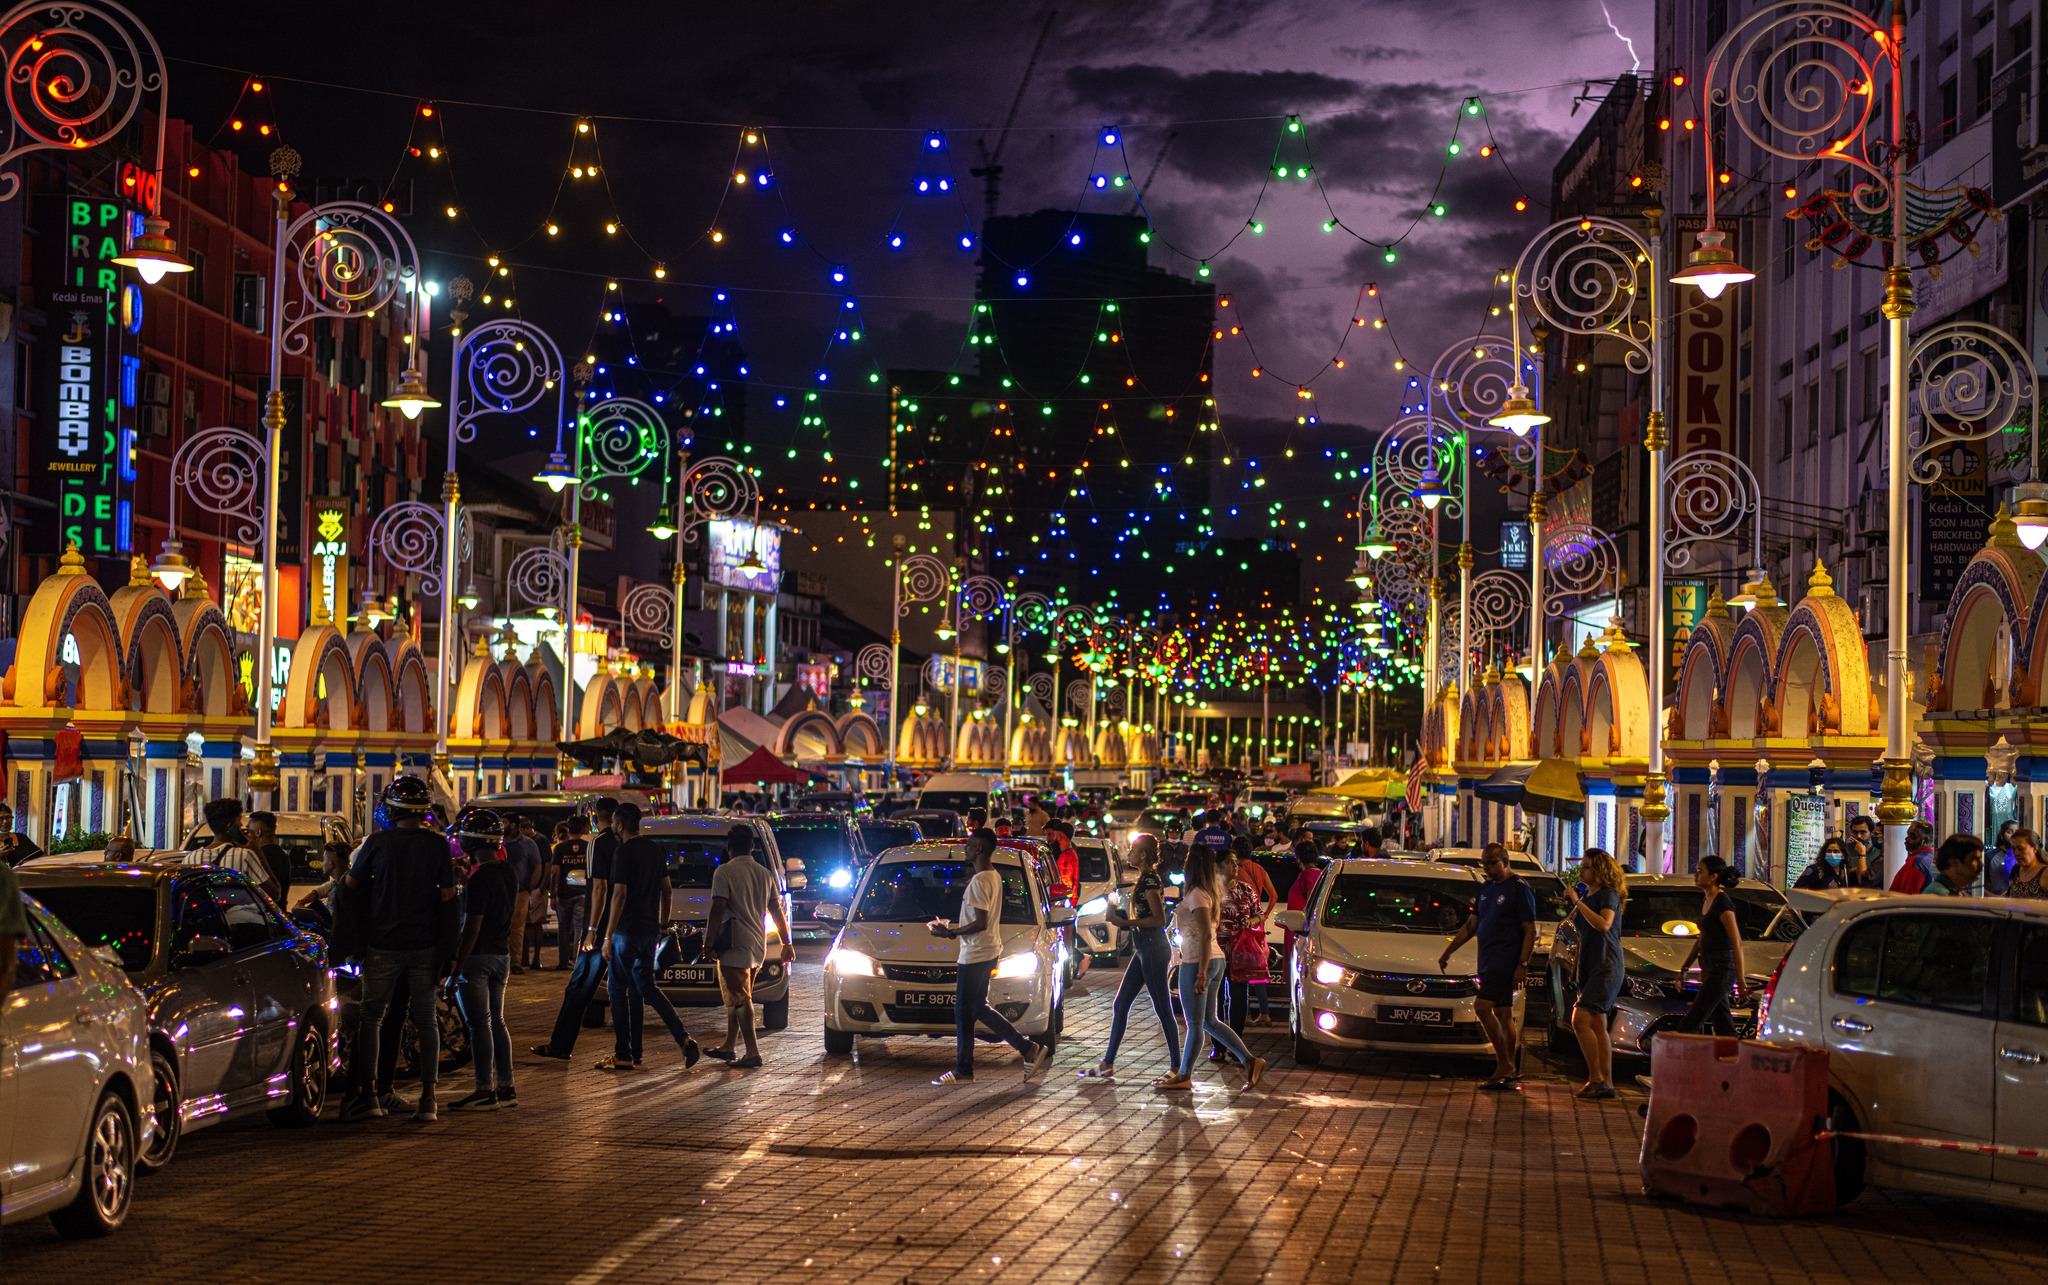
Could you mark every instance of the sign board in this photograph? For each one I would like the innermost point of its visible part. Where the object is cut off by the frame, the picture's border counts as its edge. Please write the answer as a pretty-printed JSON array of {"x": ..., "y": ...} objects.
[
  {"x": 1685, "y": 605},
  {"x": 1955, "y": 517},
  {"x": 817, "y": 679},
  {"x": 1514, "y": 545},
  {"x": 80, "y": 457},
  {"x": 1806, "y": 824},
  {"x": 291, "y": 469},
  {"x": 327, "y": 566},
  {"x": 732, "y": 540},
  {"x": 1703, "y": 402}
]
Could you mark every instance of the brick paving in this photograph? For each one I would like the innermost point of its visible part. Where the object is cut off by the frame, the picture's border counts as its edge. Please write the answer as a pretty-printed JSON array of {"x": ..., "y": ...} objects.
[{"x": 822, "y": 1169}]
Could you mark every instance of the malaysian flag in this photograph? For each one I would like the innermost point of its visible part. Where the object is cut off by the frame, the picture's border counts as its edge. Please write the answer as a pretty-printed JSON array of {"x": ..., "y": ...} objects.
[{"x": 1415, "y": 771}]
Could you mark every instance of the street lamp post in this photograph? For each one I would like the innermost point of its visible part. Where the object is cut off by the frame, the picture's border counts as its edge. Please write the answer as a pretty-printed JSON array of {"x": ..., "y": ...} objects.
[
  {"x": 1032, "y": 609},
  {"x": 975, "y": 597},
  {"x": 915, "y": 578},
  {"x": 714, "y": 489}
]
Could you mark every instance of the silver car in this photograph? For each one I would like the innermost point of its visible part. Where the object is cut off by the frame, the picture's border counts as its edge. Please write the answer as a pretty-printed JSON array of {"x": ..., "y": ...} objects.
[
  {"x": 240, "y": 1001},
  {"x": 75, "y": 1038}
]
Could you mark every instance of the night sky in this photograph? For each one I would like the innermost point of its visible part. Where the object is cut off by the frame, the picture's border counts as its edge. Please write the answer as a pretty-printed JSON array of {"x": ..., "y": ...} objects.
[{"x": 846, "y": 94}]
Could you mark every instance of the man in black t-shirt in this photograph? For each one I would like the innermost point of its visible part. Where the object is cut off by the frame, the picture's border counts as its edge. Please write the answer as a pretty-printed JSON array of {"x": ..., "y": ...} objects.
[
  {"x": 589, "y": 971},
  {"x": 570, "y": 919},
  {"x": 410, "y": 877},
  {"x": 483, "y": 960},
  {"x": 640, "y": 896}
]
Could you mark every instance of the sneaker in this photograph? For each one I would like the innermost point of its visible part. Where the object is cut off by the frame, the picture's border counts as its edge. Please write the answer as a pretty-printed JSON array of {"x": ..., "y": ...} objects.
[
  {"x": 424, "y": 1113},
  {"x": 949, "y": 1079},
  {"x": 481, "y": 1100},
  {"x": 508, "y": 1097},
  {"x": 518, "y": 969},
  {"x": 1039, "y": 1062},
  {"x": 392, "y": 1103},
  {"x": 365, "y": 1107},
  {"x": 616, "y": 1064},
  {"x": 548, "y": 1051}
]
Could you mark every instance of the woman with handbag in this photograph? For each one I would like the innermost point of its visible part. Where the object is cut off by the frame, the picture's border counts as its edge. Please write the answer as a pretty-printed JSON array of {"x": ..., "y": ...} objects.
[{"x": 1241, "y": 932}]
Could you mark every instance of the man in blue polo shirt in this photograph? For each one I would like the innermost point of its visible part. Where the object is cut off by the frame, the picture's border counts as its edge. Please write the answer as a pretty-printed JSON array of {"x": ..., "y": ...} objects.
[
  {"x": 1503, "y": 918},
  {"x": 1213, "y": 835}
]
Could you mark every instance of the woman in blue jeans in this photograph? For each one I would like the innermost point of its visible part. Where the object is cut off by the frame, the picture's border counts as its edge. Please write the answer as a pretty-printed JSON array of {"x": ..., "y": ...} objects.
[
  {"x": 1200, "y": 973},
  {"x": 1149, "y": 955}
]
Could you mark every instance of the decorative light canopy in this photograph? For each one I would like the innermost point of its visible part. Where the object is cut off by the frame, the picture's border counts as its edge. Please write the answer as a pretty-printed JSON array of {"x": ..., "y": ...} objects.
[
  {"x": 1519, "y": 414},
  {"x": 2030, "y": 513},
  {"x": 1712, "y": 267},
  {"x": 412, "y": 395},
  {"x": 664, "y": 525},
  {"x": 154, "y": 255},
  {"x": 556, "y": 473},
  {"x": 171, "y": 568}
]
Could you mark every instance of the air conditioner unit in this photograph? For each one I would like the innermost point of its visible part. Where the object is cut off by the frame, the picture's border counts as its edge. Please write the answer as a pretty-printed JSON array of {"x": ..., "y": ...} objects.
[
  {"x": 153, "y": 421},
  {"x": 156, "y": 388}
]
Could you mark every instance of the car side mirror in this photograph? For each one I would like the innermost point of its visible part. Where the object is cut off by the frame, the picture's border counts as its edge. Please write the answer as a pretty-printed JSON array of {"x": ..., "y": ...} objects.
[
  {"x": 1060, "y": 915},
  {"x": 829, "y": 912},
  {"x": 1291, "y": 920},
  {"x": 200, "y": 950}
]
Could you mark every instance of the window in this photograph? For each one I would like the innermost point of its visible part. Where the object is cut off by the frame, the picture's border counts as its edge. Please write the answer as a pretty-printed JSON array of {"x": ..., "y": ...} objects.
[
  {"x": 195, "y": 280},
  {"x": 242, "y": 911},
  {"x": 1928, "y": 961},
  {"x": 1784, "y": 427},
  {"x": 918, "y": 891},
  {"x": 251, "y": 296},
  {"x": 2032, "y": 995},
  {"x": 1948, "y": 109},
  {"x": 39, "y": 960},
  {"x": 1871, "y": 366},
  {"x": 1813, "y": 413},
  {"x": 197, "y": 916},
  {"x": 1980, "y": 83},
  {"x": 1398, "y": 905},
  {"x": 1785, "y": 260},
  {"x": 123, "y": 917},
  {"x": 1839, "y": 412}
]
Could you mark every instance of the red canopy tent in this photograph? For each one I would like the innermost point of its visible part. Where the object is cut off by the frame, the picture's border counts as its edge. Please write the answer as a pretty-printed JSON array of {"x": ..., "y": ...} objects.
[{"x": 765, "y": 768}]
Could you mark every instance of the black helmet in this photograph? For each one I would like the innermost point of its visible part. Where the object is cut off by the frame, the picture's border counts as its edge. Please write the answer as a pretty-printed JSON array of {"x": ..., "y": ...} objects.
[
  {"x": 407, "y": 794},
  {"x": 479, "y": 826}
]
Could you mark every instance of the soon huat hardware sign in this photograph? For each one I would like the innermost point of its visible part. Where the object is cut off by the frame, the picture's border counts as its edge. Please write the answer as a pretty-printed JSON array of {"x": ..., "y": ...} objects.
[{"x": 80, "y": 459}]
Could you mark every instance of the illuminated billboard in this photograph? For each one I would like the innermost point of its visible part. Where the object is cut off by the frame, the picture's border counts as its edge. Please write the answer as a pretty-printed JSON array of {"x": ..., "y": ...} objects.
[{"x": 732, "y": 541}]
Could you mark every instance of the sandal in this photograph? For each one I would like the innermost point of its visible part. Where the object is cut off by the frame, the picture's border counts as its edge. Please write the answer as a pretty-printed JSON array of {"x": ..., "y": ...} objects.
[
  {"x": 950, "y": 1079},
  {"x": 615, "y": 1064},
  {"x": 1502, "y": 1084},
  {"x": 1172, "y": 1082},
  {"x": 1100, "y": 1071}
]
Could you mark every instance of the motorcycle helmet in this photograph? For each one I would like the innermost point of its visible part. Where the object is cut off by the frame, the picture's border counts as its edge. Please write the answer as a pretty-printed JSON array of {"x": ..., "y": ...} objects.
[
  {"x": 479, "y": 829},
  {"x": 407, "y": 794}
]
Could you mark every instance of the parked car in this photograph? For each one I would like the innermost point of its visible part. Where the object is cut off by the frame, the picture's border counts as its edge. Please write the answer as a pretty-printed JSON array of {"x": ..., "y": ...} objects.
[
  {"x": 548, "y": 807},
  {"x": 832, "y": 801},
  {"x": 303, "y": 836},
  {"x": 1123, "y": 810},
  {"x": 694, "y": 846},
  {"x": 1264, "y": 800},
  {"x": 1519, "y": 862},
  {"x": 1324, "y": 807},
  {"x": 75, "y": 1038},
  {"x": 1934, "y": 1013},
  {"x": 1658, "y": 926},
  {"x": 1102, "y": 876},
  {"x": 1365, "y": 973},
  {"x": 1336, "y": 838},
  {"x": 960, "y": 791},
  {"x": 885, "y": 975},
  {"x": 822, "y": 852},
  {"x": 879, "y": 835},
  {"x": 240, "y": 1000},
  {"x": 935, "y": 823}
]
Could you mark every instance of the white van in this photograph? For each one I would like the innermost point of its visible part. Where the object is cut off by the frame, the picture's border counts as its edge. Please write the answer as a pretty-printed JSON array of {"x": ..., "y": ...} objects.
[{"x": 959, "y": 791}]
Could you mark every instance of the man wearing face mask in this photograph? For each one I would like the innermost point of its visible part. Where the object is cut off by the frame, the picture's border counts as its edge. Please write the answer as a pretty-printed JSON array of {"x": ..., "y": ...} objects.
[{"x": 1827, "y": 870}]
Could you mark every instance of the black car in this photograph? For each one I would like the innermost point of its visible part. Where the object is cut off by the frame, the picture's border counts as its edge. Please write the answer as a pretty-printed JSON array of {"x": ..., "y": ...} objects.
[
  {"x": 831, "y": 852},
  {"x": 832, "y": 801},
  {"x": 240, "y": 1015},
  {"x": 935, "y": 823},
  {"x": 878, "y": 836}
]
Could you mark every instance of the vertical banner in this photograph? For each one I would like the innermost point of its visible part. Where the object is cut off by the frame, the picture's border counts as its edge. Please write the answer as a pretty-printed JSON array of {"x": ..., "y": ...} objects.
[
  {"x": 79, "y": 457},
  {"x": 291, "y": 471},
  {"x": 1685, "y": 605},
  {"x": 327, "y": 565},
  {"x": 1955, "y": 517},
  {"x": 1703, "y": 403}
]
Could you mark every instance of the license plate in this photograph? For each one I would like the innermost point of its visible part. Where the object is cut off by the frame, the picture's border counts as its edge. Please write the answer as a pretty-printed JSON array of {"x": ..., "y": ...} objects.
[
  {"x": 686, "y": 976},
  {"x": 925, "y": 999},
  {"x": 1407, "y": 1016}
]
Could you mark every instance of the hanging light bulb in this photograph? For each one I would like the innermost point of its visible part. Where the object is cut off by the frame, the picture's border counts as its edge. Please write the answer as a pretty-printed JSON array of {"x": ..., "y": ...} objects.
[
  {"x": 154, "y": 254},
  {"x": 411, "y": 396},
  {"x": 1431, "y": 489},
  {"x": 171, "y": 568},
  {"x": 664, "y": 525},
  {"x": 1376, "y": 545},
  {"x": 468, "y": 597},
  {"x": 371, "y": 612},
  {"x": 1361, "y": 574},
  {"x": 2030, "y": 513},
  {"x": 1712, "y": 267},
  {"x": 946, "y": 630},
  {"x": 556, "y": 473},
  {"x": 1519, "y": 414}
]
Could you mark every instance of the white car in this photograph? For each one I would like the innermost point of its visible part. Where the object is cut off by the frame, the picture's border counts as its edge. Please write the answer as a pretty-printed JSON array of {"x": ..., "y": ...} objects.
[
  {"x": 1519, "y": 862},
  {"x": 1934, "y": 1013},
  {"x": 1102, "y": 876},
  {"x": 74, "y": 1062},
  {"x": 1324, "y": 807},
  {"x": 886, "y": 975},
  {"x": 1365, "y": 972}
]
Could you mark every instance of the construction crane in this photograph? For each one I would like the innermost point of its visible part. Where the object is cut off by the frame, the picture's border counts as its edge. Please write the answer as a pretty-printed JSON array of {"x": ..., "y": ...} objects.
[
  {"x": 990, "y": 171},
  {"x": 1138, "y": 200}
]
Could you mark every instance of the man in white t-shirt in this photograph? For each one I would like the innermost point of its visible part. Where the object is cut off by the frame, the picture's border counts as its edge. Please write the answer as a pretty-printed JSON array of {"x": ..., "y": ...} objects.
[
  {"x": 743, "y": 895},
  {"x": 229, "y": 850},
  {"x": 980, "y": 936}
]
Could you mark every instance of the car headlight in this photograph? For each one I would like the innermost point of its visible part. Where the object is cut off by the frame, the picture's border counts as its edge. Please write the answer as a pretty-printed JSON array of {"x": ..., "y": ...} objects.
[
  {"x": 1015, "y": 967},
  {"x": 1331, "y": 973},
  {"x": 768, "y": 923},
  {"x": 1644, "y": 988},
  {"x": 849, "y": 963},
  {"x": 841, "y": 879},
  {"x": 1095, "y": 906}
]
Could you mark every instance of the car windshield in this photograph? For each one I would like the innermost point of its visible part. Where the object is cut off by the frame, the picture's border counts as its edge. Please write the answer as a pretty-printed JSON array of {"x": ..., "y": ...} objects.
[
  {"x": 1675, "y": 912},
  {"x": 1157, "y": 818},
  {"x": 1551, "y": 907},
  {"x": 906, "y": 892},
  {"x": 1397, "y": 905},
  {"x": 822, "y": 848},
  {"x": 1189, "y": 801},
  {"x": 119, "y": 915},
  {"x": 934, "y": 827},
  {"x": 1265, "y": 796},
  {"x": 691, "y": 857},
  {"x": 952, "y": 800},
  {"x": 1095, "y": 867},
  {"x": 880, "y": 836},
  {"x": 1129, "y": 803}
]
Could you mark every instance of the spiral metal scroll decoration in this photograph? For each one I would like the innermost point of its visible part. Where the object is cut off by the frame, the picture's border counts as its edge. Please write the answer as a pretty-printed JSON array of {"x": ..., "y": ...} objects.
[
  {"x": 538, "y": 577},
  {"x": 77, "y": 73},
  {"x": 649, "y": 609},
  {"x": 1078, "y": 692},
  {"x": 1397, "y": 583},
  {"x": 1470, "y": 382},
  {"x": 922, "y": 578},
  {"x": 1031, "y": 610},
  {"x": 1412, "y": 445},
  {"x": 995, "y": 686},
  {"x": 982, "y": 598},
  {"x": 1797, "y": 79},
  {"x": 1969, "y": 381},
  {"x": 501, "y": 368},
  {"x": 935, "y": 672},
  {"x": 1450, "y": 641},
  {"x": 220, "y": 471},
  {"x": 1040, "y": 688},
  {"x": 407, "y": 535},
  {"x": 1500, "y": 604},
  {"x": 1709, "y": 495},
  {"x": 1592, "y": 277},
  {"x": 718, "y": 487},
  {"x": 1113, "y": 703},
  {"x": 1577, "y": 560},
  {"x": 348, "y": 259},
  {"x": 622, "y": 437},
  {"x": 873, "y": 663},
  {"x": 1408, "y": 528}
]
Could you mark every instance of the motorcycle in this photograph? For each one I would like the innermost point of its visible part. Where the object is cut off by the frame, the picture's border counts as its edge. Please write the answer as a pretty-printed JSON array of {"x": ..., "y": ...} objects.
[{"x": 348, "y": 994}]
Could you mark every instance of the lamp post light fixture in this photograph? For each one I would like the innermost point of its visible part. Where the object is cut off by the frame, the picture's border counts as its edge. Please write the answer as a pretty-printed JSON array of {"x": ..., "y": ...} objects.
[{"x": 915, "y": 578}]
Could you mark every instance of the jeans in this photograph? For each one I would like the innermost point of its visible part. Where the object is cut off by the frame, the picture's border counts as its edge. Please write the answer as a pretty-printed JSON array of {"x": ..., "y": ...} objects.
[
  {"x": 1239, "y": 1002},
  {"x": 1200, "y": 1011},
  {"x": 1710, "y": 1006},
  {"x": 381, "y": 972},
  {"x": 568, "y": 927},
  {"x": 1262, "y": 998},
  {"x": 583, "y": 984},
  {"x": 970, "y": 1005},
  {"x": 483, "y": 1005},
  {"x": 1147, "y": 969},
  {"x": 630, "y": 986}
]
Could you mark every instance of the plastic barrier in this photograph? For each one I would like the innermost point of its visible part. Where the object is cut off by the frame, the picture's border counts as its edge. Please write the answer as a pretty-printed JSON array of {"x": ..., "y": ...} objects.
[{"x": 1734, "y": 1124}]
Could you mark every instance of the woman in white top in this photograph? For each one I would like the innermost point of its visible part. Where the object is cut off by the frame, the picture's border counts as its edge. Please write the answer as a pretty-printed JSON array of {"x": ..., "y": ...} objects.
[{"x": 1199, "y": 972}]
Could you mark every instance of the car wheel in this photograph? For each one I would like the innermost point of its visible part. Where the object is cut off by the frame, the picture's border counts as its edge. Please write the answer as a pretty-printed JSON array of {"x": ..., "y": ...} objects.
[
  {"x": 166, "y": 1125},
  {"x": 1051, "y": 1038},
  {"x": 1305, "y": 1053},
  {"x": 838, "y": 1043},
  {"x": 109, "y": 1179},
  {"x": 454, "y": 1033},
  {"x": 775, "y": 1014},
  {"x": 1851, "y": 1160},
  {"x": 308, "y": 1077}
]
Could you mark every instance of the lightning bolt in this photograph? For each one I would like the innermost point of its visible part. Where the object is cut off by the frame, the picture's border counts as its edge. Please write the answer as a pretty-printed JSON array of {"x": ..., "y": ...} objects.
[{"x": 1635, "y": 62}]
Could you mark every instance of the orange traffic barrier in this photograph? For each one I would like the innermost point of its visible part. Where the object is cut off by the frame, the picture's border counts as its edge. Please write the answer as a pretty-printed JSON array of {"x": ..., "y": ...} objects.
[{"x": 1734, "y": 1124}]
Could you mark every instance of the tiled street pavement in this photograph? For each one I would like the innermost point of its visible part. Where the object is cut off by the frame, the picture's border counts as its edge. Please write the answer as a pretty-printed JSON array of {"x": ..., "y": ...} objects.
[{"x": 821, "y": 1169}]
